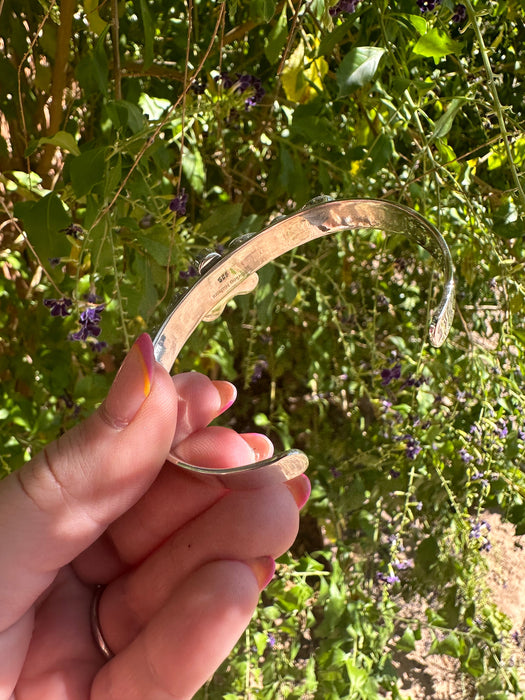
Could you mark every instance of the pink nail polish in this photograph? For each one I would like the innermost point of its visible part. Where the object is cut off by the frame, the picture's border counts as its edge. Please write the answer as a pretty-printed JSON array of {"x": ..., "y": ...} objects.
[
  {"x": 227, "y": 392},
  {"x": 132, "y": 385},
  {"x": 263, "y": 568},
  {"x": 145, "y": 347},
  {"x": 300, "y": 488}
]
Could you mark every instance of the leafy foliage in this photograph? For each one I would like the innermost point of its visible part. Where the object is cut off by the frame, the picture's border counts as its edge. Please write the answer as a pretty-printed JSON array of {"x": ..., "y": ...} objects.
[{"x": 134, "y": 134}]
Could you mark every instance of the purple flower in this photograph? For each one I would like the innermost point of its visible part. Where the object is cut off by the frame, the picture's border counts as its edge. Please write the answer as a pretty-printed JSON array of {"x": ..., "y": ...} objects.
[
  {"x": 243, "y": 82},
  {"x": 387, "y": 375},
  {"x": 58, "y": 307},
  {"x": 226, "y": 80},
  {"x": 465, "y": 456},
  {"x": 502, "y": 431},
  {"x": 73, "y": 230},
  {"x": 199, "y": 86},
  {"x": 179, "y": 202},
  {"x": 92, "y": 297},
  {"x": 260, "y": 366},
  {"x": 99, "y": 346},
  {"x": 460, "y": 15},
  {"x": 387, "y": 578},
  {"x": 427, "y": 5},
  {"x": 402, "y": 565},
  {"x": 270, "y": 640},
  {"x": 413, "y": 447},
  {"x": 479, "y": 531},
  {"x": 246, "y": 81},
  {"x": 343, "y": 6},
  {"x": 190, "y": 272},
  {"x": 89, "y": 323}
]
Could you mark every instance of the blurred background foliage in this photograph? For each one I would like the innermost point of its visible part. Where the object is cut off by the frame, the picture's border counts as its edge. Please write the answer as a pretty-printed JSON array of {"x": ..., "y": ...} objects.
[{"x": 134, "y": 133}]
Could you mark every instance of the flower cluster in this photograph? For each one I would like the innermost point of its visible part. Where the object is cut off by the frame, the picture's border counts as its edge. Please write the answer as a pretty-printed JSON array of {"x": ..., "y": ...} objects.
[
  {"x": 179, "y": 202},
  {"x": 59, "y": 307},
  {"x": 191, "y": 271},
  {"x": 89, "y": 323},
  {"x": 73, "y": 230},
  {"x": 243, "y": 82},
  {"x": 465, "y": 455},
  {"x": 261, "y": 366},
  {"x": 460, "y": 13},
  {"x": 387, "y": 578},
  {"x": 343, "y": 6},
  {"x": 198, "y": 86},
  {"x": 413, "y": 446},
  {"x": 387, "y": 375},
  {"x": 479, "y": 531},
  {"x": 427, "y": 5}
]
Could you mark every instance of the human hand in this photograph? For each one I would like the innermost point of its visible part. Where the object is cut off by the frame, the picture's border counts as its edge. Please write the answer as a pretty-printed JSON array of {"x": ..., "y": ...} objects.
[{"x": 183, "y": 560}]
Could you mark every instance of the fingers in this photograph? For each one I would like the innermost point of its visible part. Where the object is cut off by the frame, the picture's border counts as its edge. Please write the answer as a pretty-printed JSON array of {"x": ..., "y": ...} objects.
[
  {"x": 173, "y": 499},
  {"x": 190, "y": 636},
  {"x": 199, "y": 402},
  {"x": 243, "y": 525},
  {"x": 62, "y": 500}
]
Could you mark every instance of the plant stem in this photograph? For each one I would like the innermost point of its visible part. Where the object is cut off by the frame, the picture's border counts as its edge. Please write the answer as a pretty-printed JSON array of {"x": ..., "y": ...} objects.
[
  {"x": 116, "y": 50},
  {"x": 495, "y": 96}
]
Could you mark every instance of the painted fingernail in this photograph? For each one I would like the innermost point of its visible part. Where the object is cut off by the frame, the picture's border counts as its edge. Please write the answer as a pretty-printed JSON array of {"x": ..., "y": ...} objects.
[
  {"x": 227, "y": 392},
  {"x": 260, "y": 444},
  {"x": 133, "y": 382},
  {"x": 300, "y": 488},
  {"x": 263, "y": 568}
]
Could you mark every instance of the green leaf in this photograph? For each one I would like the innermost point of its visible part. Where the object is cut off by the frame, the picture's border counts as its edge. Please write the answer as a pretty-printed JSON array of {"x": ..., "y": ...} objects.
[
  {"x": 451, "y": 645},
  {"x": 427, "y": 552},
  {"x": 444, "y": 123},
  {"x": 262, "y": 10},
  {"x": 87, "y": 170},
  {"x": 149, "y": 33},
  {"x": 224, "y": 219},
  {"x": 92, "y": 70},
  {"x": 419, "y": 23},
  {"x": 123, "y": 113},
  {"x": 193, "y": 167},
  {"x": 436, "y": 44},
  {"x": 43, "y": 221},
  {"x": 379, "y": 155},
  {"x": 277, "y": 38},
  {"x": 96, "y": 23},
  {"x": 62, "y": 139},
  {"x": 358, "y": 68},
  {"x": 159, "y": 251},
  {"x": 408, "y": 640}
]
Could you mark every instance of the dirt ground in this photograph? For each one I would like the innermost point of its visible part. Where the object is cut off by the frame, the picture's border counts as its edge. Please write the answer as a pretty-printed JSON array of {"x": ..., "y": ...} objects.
[{"x": 435, "y": 677}]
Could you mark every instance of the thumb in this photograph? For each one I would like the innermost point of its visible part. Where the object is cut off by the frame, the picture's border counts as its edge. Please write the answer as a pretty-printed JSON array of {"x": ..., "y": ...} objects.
[{"x": 61, "y": 501}]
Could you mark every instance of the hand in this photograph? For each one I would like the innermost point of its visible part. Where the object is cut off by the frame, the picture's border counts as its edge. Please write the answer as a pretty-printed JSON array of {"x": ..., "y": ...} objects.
[{"x": 183, "y": 560}]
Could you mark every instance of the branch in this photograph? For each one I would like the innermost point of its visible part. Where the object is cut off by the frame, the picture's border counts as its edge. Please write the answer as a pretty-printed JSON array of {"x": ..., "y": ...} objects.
[{"x": 58, "y": 85}]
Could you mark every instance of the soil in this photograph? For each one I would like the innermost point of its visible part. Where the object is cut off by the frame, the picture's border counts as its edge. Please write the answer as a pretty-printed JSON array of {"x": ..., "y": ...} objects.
[{"x": 424, "y": 676}]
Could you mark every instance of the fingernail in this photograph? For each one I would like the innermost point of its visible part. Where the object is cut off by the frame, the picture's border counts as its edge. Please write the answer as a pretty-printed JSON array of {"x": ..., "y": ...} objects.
[
  {"x": 227, "y": 392},
  {"x": 263, "y": 568},
  {"x": 300, "y": 488},
  {"x": 132, "y": 385},
  {"x": 260, "y": 444}
]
